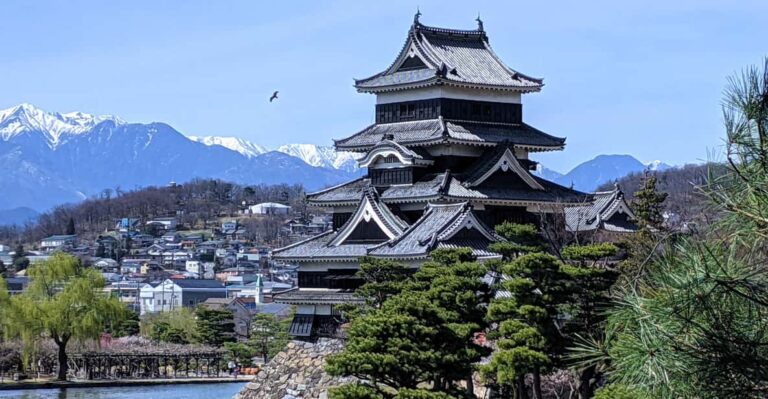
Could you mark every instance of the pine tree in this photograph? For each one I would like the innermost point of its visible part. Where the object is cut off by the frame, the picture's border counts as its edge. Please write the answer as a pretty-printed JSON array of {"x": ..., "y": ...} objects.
[
  {"x": 268, "y": 335},
  {"x": 70, "y": 226},
  {"x": 648, "y": 203},
  {"x": 529, "y": 322},
  {"x": 214, "y": 326},
  {"x": 420, "y": 337}
]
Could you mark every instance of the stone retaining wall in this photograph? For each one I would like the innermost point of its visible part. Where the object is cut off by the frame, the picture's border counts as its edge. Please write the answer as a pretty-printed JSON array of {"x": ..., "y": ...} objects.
[{"x": 296, "y": 373}]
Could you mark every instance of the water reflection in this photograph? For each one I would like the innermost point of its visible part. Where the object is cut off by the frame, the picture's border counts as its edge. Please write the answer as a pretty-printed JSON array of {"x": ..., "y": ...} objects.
[{"x": 201, "y": 391}]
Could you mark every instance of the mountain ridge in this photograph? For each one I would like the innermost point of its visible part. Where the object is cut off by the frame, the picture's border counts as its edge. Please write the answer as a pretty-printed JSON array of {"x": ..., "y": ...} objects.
[{"x": 59, "y": 158}]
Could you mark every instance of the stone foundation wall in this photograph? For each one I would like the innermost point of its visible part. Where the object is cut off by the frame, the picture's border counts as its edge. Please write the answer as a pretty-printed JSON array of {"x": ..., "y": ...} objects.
[{"x": 296, "y": 373}]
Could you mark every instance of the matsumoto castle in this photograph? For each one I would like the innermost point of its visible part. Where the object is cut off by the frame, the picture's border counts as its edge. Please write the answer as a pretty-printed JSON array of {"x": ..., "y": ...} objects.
[{"x": 447, "y": 159}]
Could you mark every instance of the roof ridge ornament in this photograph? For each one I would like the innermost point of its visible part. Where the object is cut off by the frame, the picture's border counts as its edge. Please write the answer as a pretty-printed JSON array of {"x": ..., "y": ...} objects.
[
  {"x": 416, "y": 16},
  {"x": 479, "y": 23}
]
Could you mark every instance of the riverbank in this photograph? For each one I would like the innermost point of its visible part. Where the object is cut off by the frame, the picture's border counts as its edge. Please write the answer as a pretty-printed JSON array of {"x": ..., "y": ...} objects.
[{"x": 26, "y": 385}]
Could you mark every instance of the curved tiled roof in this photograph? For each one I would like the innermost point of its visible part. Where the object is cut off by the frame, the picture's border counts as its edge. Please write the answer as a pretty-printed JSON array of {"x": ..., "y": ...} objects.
[
  {"x": 597, "y": 212},
  {"x": 438, "y": 225},
  {"x": 434, "y": 131},
  {"x": 451, "y": 57}
]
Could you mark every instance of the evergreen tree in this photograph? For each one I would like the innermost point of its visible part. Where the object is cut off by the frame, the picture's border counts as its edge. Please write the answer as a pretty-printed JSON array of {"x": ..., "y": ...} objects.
[
  {"x": 383, "y": 278},
  {"x": 127, "y": 326},
  {"x": 214, "y": 326},
  {"x": 529, "y": 322},
  {"x": 3, "y": 269},
  {"x": 420, "y": 337},
  {"x": 62, "y": 302},
  {"x": 70, "y": 226},
  {"x": 591, "y": 281},
  {"x": 695, "y": 324},
  {"x": 268, "y": 335},
  {"x": 101, "y": 251},
  {"x": 648, "y": 203},
  {"x": 521, "y": 239}
]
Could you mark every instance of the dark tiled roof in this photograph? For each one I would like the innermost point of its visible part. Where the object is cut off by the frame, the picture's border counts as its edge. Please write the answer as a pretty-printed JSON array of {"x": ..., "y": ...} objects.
[
  {"x": 316, "y": 296},
  {"x": 346, "y": 192},
  {"x": 449, "y": 186},
  {"x": 431, "y": 131},
  {"x": 438, "y": 224},
  {"x": 450, "y": 56},
  {"x": 596, "y": 212},
  {"x": 318, "y": 248},
  {"x": 192, "y": 283}
]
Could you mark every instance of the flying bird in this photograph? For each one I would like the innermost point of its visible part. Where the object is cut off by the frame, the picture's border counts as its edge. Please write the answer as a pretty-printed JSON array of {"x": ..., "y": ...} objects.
[{"x": 274, "y": 96}]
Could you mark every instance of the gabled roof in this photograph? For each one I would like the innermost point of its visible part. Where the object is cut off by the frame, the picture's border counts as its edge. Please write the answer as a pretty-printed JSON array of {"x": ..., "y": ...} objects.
[
  {"x": 597, "y": 214},
  {"x": 439, "y": 56},
  {"x": 194, "y": 283},
  {"x": 386, "y": 148},
  {"x": 371, "y": 210},
  {"x": 439, "y": 224},
  {"x": 448, "y": 186},
  {"x": 501, "y": 160},
  {"x": 436, "y": 131}
]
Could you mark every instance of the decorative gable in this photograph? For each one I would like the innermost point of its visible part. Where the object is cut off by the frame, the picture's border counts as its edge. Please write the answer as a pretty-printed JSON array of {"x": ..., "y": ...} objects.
[
  {"x": 372, "y": 221},
  {"x": 504, "y": 163}
]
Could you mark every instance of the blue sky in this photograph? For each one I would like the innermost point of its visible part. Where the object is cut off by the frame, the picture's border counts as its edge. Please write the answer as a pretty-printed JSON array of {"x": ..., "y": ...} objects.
[{"x": 643, "y": 78}]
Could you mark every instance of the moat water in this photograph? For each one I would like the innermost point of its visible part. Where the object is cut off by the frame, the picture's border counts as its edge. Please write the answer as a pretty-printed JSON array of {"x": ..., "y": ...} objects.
[{"x": 191, "y": 391}]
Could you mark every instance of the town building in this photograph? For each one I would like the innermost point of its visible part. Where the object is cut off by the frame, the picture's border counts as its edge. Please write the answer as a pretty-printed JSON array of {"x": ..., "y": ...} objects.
[
  {"x": 447, "y": 158},
  {"x": 269, "y": 208},
  {"x": 58, "y": 242},
  {"x": 172, "y": 294}
]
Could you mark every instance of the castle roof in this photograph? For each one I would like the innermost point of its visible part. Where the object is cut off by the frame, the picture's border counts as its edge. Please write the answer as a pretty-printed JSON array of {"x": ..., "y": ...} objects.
[
  {"x": 441, "y": 226},
  {"x": 440, "y": 130},
  {"x": 439, "y": 56},
  {"x": 599, "y": 213}
]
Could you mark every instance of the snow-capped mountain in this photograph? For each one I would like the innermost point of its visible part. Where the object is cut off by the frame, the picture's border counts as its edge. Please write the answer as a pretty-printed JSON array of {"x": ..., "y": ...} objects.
[
  {"x": 322, "y": 156},
  {"x": 237, "y": 144},
  {"x": 657, "y": 166},
  {"x": 49, "y": 159},
  {"x": 26, "y": 118},
  {"x": 589, "y": 175}
]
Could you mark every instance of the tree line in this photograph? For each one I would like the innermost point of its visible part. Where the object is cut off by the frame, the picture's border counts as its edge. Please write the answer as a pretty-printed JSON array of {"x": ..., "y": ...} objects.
[{"x": 195, "y": 203}]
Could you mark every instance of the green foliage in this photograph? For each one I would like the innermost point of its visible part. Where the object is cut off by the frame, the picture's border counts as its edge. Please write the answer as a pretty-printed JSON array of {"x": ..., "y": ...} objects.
[
  {"x": 521, "y": 239},
  {"x": 618, "y": 391},
  {"x": 21, "y": 264},
  {"x": 648, "y": 203},
  {"x": 694, "y": 322},
  {"x": 214, "y": 326},
  {"x": 164, "y": 332},
  {"x": 241, "y": 353},
  {"x": 70, "y": 226},
  {"x": 176, "y": 326},
  {"x": 419, "y": 336},
  {"x": 269, "y": 335},
  {"x": 64, "y": 302},
  {"x": 383, "y": 279},
  {"x": 529, "y": 337},
  {"x": 593, "y": 252},
  {"x": 3, "y": 269},
  {"x": 356, "y": 391},
  {"x": 127, "y": 326}
]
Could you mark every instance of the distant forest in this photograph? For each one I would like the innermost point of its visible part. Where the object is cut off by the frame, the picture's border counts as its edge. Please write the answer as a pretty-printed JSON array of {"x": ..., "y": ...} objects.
[
  {"x": 197, "y": 204},
  {"x": 683, "y": 185}
]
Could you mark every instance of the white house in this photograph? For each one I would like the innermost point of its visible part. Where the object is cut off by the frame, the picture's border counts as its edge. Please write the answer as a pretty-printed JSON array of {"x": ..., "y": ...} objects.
[
  {"x": 269, "y": 208},
  {"x": 174, "y": 294},
  {"x": 57, "y": 242},
  {"x": 194, "y": 266}
]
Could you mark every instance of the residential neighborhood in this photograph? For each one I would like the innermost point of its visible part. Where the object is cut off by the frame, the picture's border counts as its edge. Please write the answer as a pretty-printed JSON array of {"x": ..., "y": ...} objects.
[{"x": 163, "y": 264}]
